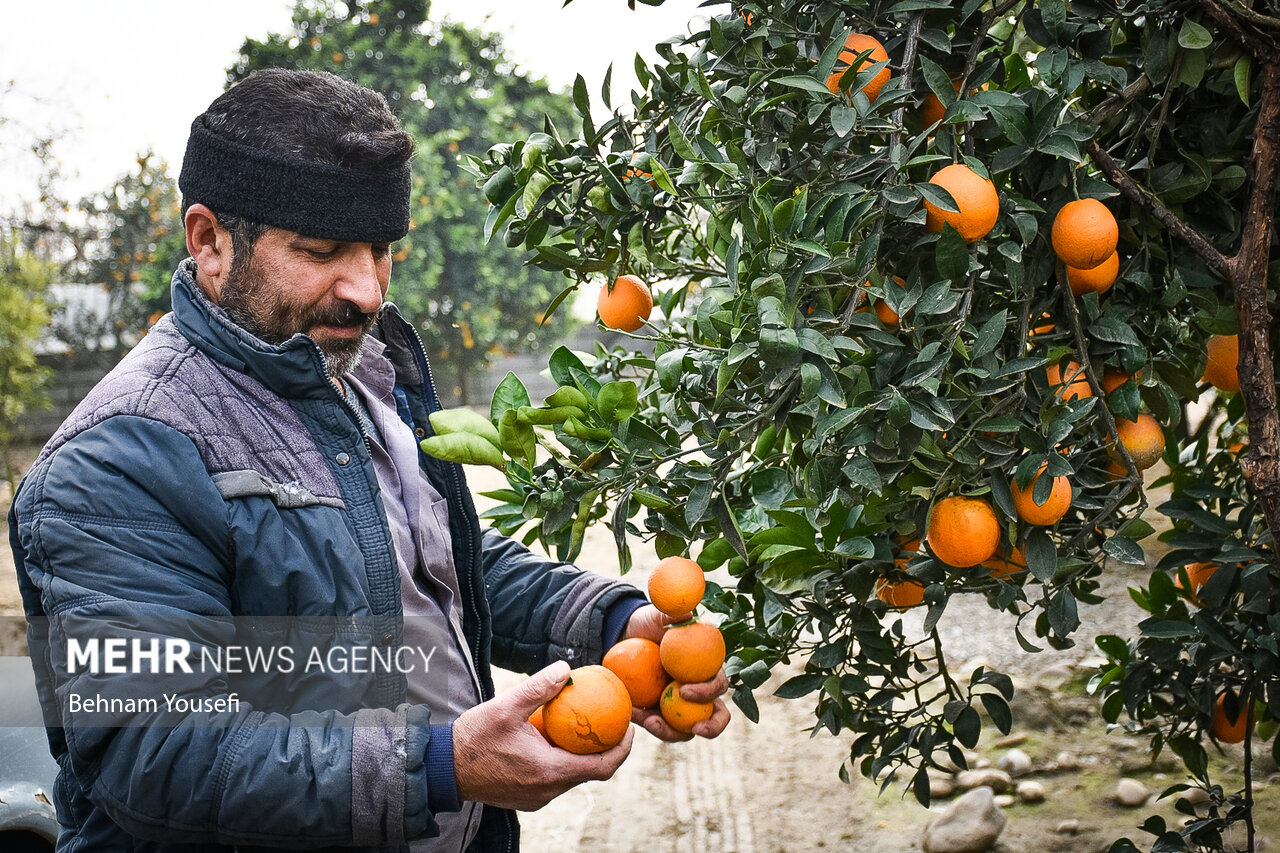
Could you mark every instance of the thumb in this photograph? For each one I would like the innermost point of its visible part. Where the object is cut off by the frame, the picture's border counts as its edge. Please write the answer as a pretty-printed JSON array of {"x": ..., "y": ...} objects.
[{"x": 540, "y": 687}]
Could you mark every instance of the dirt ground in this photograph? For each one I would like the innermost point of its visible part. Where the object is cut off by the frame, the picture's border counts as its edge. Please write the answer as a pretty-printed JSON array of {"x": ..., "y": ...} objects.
[{"x": 772, "y": 786}]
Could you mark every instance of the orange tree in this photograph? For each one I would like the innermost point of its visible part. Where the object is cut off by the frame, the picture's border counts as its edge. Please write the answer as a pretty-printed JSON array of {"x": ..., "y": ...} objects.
[{"x": 771, "y": 185}]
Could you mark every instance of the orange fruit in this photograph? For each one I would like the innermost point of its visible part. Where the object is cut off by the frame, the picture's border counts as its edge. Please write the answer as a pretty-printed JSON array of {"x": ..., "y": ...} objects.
[
  {"x": 900, "y": 593},
  {"x": 1084, "y": 233},
  {"x": 1054, "y": 507},
  {"x": 693, "y": 652},
  {"x": 886, "y": 315},
  {"x": 1096, "y": 280},
  {"x": 1118, "y": 470},
  {"x": 1067, "y": 381},
  {"x": 590, "y": 714},
  {"x": 975, "y": 197},
  {"x": 1227, "y": 730},
  {"x": 1197, "y": 574},
  {"x": 934, "y": 111},
  {"x": 1113, "y": 379},
  {"x": 677, "y": 586},
  {"x": 1224, "y": 354},
  {"x": 680, "y": 713},
  {"x": 636, "y": 170},
  {"x": 963, "y": 531},
  {"x": 535, "y": 720},
  {"x": 627, "y": 305},
  {"x": 1043, "y": 328},
  {"x": 1143, "y": 438},
  {"x": 1006, "y": 564},
  {"x": 855, "y": 44},
  {"x": 638, "y": 663}
]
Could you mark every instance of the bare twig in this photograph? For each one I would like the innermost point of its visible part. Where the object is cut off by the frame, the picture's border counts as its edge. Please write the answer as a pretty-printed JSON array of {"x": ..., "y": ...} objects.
[{"x": 1145, "y": 199}]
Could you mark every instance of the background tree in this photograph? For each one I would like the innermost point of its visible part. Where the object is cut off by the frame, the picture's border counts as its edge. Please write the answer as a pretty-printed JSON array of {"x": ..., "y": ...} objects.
[
  {"x": 457, "y": 93},
  {"x": 813, "y": 448},
  {"x": 131, "y": 239},
  {"x": 24, "y": 315}
]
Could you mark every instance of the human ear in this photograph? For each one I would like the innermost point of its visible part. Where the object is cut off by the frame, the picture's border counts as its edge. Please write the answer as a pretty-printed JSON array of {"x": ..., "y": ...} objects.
[{"x": 210, "y": 244}]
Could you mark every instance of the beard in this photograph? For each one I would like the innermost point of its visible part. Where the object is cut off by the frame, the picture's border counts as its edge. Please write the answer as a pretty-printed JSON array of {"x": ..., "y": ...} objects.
[{"x": 266, "y": 312}]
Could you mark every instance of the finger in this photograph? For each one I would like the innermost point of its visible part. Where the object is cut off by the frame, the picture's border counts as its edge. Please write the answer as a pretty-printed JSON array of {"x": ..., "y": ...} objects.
[
  {"x": 655, "y": 725},
  {"x": 715, "y": 724},
  {"x": 706, "y": 691},
  {"x": 603, "y": 765},
  {"x": 539, "y": 687}
]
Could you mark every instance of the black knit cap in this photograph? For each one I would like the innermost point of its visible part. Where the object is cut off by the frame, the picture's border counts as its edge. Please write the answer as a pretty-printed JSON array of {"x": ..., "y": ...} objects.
[{"x": 314, "y": 199}]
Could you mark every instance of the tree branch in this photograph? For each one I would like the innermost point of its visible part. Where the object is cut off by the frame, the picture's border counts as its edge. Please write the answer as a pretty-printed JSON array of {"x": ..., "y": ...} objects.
[
  {"x": 1228, "y": 14},
  {"x": 1143, "y": 198},
  {"x": 1112, "y": 106},
  {"x": 1261, "y": 464}
]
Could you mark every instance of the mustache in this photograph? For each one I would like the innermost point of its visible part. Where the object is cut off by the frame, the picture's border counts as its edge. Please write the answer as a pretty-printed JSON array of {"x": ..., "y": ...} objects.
[{"x": 342, "y": 314}]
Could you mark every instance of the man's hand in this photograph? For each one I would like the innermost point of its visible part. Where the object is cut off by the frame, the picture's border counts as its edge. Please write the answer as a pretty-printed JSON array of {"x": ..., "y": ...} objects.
[
  {"x": 649, "y": 622},
  {"x": 502, "y": 760}
]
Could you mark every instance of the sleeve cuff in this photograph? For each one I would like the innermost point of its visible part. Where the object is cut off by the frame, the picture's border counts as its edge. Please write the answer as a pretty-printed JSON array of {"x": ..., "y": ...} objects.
[
  {"x": 615, "y": 619},
  {"x": 442, "y": 778}
]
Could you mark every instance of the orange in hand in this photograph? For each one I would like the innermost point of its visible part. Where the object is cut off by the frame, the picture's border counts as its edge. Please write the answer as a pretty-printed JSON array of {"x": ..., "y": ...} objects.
[
  {"x": 693, "y": 652},
  {"x": 677, "y": 586},
  {"x": 590, "y": 714},
  {"x": 638, "y": 663},
  {"x": 681, "y": 714}
]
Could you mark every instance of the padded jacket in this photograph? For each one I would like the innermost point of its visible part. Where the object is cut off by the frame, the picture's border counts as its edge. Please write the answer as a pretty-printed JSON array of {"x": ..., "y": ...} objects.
[{"x": 211, "y": 486}]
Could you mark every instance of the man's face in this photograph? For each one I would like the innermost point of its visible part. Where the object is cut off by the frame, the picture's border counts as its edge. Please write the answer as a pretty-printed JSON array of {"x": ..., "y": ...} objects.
[{"x": 328, "y": 290}]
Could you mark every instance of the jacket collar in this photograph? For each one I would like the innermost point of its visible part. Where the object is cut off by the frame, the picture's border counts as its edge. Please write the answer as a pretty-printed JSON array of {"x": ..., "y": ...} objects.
[{"x": 293, "y": 369}]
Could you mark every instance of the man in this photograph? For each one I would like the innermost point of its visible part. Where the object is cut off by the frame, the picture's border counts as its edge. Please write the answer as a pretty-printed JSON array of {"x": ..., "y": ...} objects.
[{"x": 243, "y": 497}]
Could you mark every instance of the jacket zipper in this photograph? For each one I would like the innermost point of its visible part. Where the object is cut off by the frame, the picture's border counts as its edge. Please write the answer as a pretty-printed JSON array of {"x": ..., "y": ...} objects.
[{"x": 456, "y": 482}]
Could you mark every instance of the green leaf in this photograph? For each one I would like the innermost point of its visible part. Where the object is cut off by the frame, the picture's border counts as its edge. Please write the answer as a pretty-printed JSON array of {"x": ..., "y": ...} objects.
[
  {"x": 990, "y": 335},
  {"x": 679, "y": 142},
  {"x": 617, "y": 401},
  {"x": 517, "y": 437},
  {"x": 580, "y": 98},
  {"x": 510, "y": 394},
  {"x": 1042, "y": 555},
  {"x": 952, "y": 254},
  {"x": 1243, "y": 74},
  {"x": 1125, "y": 550},
  {"x": 968, "y": 727},
  {"x": 463, "y": 420},
  {"x": 799, "y": 685},
  {"x": 1193, "y": 36},
  {"x": 465, "y": 448},
  {"x": 804, "y": 82},
  {"x": 538, "y": 183}
]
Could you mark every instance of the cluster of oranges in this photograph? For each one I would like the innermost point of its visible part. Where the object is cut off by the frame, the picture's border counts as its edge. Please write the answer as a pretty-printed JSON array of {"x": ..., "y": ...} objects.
[{"x": 592, "y": 712}]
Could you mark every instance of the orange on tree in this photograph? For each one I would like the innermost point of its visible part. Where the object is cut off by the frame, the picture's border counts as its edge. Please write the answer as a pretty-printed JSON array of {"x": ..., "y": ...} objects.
[
  {"x": 1143, "y": 438},
  {"x": 680, "y": 713},
  {"x": 590, "y": 713},
  {"x": 886, "y": 315},
  {"x": 1068, "y": 382},
  {"x": 900, "y": 593},
  {"x": 1197, "y": 574},
  {"x": 677, "y": 585},
  {"x": 1227, "y": 729},
  {"x": 692, "y": 652},
  {"x": 1084, "y": 233},
  {"x": 1096, "y": 280},
  {"x": 933, "y": 110},
  {"x": 1224, "y": 355},
  {"x": 1113, "y": 379},
  {"x": 963, "y": 531},
  {"x": 1054, "y": 507},
  {"x": 1007, "y": 563},
  {"x": 638, "y": 663},
  {"x": 976, "y": 199},
  {"x": 855, "y": 44},
  {"x": 626, "y": 305}
]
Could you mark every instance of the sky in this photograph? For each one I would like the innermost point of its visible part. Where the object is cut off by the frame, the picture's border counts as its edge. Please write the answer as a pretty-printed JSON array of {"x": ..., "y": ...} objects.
[{"x": 113, "y": 79}]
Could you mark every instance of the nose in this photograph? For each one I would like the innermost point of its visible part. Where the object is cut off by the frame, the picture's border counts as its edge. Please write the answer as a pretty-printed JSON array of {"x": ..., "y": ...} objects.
[{"x": 362, "y": 280}]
